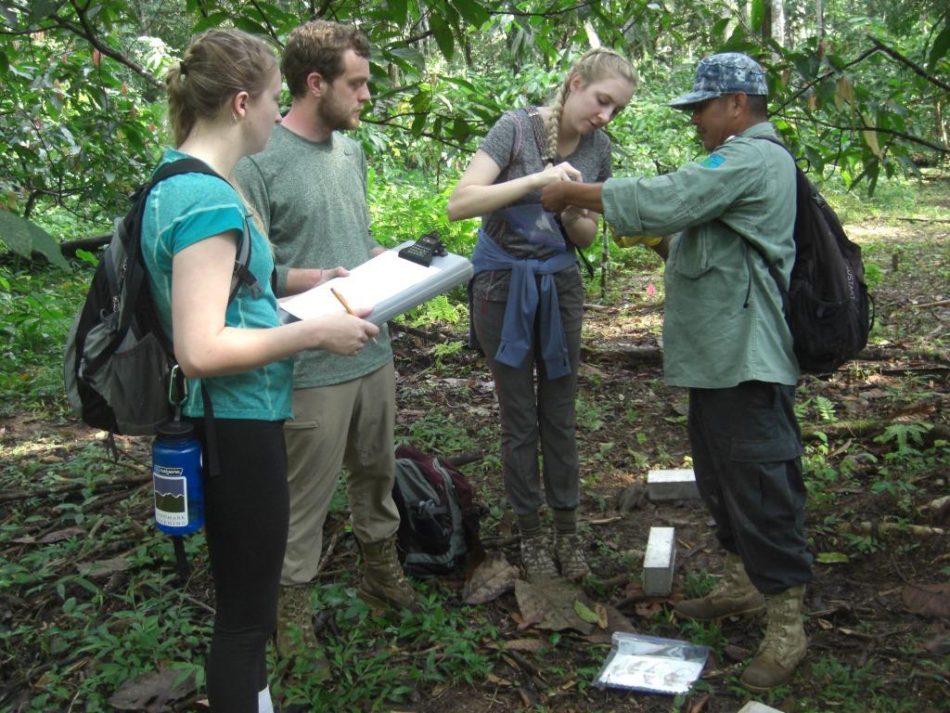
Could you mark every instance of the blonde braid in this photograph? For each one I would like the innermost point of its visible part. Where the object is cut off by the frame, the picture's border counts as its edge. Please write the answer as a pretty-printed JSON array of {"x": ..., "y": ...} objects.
[{"x": 553, "y": 124}]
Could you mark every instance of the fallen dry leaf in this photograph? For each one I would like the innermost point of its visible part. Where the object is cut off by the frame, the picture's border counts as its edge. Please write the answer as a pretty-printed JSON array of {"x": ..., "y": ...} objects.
[
  {"x": 700, "y": 705},
  {"x": 632, "y": 498},
  {"x": 61, "y": 535},
  {"x": 932, "y": 599},
  {"x": 497, "y": 680},
  {"x": 153, "y": 691},
  {"x": 648, "y": 609},
  {"x": 524, "y": 645},
  {"x": 939, "y": 645},
  {"x": 490, "y": 580},
  {"x": 103, "y": 568},
  {"x": 551, "y": 604},
  {"x": 736, "y": 653},
  {"x": 615, "y": 621}
]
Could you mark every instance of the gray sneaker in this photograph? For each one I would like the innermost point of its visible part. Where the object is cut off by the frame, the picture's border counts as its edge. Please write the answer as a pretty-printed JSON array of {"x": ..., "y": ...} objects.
[{"x": 536, "y": 558}]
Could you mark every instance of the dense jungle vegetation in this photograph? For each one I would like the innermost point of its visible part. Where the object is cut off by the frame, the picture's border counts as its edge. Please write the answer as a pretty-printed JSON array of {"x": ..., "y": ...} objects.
[{"x": 91, "y": 617}]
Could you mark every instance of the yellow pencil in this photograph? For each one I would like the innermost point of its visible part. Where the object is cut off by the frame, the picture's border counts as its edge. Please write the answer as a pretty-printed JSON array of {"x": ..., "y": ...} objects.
[
  {"x": 346, "y": 305},
  {"x": 341, "y": 300}
]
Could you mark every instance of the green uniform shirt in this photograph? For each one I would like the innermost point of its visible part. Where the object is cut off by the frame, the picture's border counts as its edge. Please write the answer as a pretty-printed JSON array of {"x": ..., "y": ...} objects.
[
  {"x": 723, "y": 321},
  {"x": 311, "y": 197}
]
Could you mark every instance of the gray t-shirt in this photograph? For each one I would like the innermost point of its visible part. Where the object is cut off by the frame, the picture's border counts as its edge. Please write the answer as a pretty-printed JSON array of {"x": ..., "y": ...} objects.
[
  {"x": 515, "y": 143},
  {"x": 311, "y": 197}
]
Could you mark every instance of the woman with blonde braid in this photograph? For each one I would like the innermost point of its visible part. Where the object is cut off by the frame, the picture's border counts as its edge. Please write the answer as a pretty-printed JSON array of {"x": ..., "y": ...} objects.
[{"x": 527, "y": 295}]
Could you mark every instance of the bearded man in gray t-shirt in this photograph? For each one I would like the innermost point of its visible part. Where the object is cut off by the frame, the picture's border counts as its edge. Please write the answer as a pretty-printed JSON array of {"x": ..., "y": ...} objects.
[{"x": 309, "y": 187}]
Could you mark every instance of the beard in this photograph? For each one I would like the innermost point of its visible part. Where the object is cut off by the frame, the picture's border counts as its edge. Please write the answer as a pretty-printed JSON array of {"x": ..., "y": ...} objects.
[{"x": 336, "y": 117}]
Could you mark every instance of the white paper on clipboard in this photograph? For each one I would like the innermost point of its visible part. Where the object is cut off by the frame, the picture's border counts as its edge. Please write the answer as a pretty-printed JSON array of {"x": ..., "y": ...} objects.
[{"x": 387, "y": 283}]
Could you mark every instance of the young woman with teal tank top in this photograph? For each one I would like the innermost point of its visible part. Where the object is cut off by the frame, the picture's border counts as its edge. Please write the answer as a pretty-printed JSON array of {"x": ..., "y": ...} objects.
[
  {"x": 527, "y": 296},
  {"x": 222, "y": 105}
]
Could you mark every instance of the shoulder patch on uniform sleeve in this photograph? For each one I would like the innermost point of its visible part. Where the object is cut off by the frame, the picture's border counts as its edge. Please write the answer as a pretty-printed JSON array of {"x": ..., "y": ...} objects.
[{"x": 713, "y": 160}]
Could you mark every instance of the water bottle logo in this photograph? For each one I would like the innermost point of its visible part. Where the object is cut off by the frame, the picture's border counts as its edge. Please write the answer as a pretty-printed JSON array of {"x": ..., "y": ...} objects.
[{"x": 171, "y": 496}]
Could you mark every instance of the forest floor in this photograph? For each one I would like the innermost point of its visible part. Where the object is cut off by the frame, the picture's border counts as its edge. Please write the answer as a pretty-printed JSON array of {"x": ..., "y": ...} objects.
[{"x": 877, "y": 465}]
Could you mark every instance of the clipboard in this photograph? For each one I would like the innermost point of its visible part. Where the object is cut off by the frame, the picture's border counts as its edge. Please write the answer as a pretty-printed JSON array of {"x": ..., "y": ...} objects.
[{"x": 389, "y": 284}]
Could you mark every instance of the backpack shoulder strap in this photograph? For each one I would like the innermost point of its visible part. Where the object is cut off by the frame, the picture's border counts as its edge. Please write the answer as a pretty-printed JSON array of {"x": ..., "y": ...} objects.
[
  {"x": 774, "y": 140},
  {"x": 800, "y": 182},
  {"x": 180, "y": 166},
  {"x": 517, "y": 142},
  {"x": 242, "y": 274}
]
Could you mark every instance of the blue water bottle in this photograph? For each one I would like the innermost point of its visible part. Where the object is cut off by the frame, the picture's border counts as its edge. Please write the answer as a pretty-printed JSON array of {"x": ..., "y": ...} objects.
[{"x": 176, "y": 476}]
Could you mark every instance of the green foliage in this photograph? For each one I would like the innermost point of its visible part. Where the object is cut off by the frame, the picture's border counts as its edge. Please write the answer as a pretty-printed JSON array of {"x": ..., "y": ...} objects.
[
  {"x": 37, "y": 307},
  {"x": 380, "y": 660},
  {"x": 439, "y": 433},
  {"x": 149, "y": 621},
  {"x": 78, "y": 129},
  {"x": 96, "y": 632},
  {"x": 81, "y": 118},
  {"x": 905, "y": 437},
  {"x": 440, "y": 309},
  {"x": 403, "y": 207},
  {"x": 851, "y": 690},
  {"x": 697, "y": 584},
  {"x": 446, "y": 350},
  {"x": 703, "y": 633},
  {"x": 24, "y": 237},
  {"x": 590, "y": 415}
]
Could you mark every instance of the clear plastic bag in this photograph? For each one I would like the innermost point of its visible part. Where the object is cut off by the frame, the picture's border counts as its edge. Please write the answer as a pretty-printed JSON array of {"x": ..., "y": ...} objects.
[{"x": 651, "y": 664}]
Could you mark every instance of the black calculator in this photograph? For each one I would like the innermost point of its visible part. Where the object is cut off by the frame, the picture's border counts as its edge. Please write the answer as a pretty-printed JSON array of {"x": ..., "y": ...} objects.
[{"x": 424, "y": 249}]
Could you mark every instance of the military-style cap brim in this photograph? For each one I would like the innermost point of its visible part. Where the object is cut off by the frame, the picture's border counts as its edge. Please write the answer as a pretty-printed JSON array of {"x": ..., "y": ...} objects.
[{"x": 688, "y": 101}]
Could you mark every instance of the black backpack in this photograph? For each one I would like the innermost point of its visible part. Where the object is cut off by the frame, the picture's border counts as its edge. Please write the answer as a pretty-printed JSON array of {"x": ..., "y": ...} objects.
[
  {"x": 438, "y": 515},
  {"x": 119, "y": 361},
  {"x": 827, "y": 305}
]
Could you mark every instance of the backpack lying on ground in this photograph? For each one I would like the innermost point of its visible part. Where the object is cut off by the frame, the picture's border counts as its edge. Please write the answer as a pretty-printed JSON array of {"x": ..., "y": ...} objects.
[
  {"x": 118, "y": 358},
  {"x": 439, "y": 519},
  {"x": 827, "y": 305}
]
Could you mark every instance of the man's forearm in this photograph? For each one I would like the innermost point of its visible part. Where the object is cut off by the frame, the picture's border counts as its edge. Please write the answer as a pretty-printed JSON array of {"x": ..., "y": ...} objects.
[{"x": 557, "y": 196}]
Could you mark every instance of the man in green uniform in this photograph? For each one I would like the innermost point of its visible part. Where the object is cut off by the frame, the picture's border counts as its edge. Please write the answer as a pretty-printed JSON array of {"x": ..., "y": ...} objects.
[
  {"x": 726, "y": 340},
  {"x": 309, "y": 188}
]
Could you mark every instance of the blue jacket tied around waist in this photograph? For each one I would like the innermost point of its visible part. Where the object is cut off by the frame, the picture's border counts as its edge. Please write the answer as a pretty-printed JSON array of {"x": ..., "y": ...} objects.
[{"x": 524, "y": 300}]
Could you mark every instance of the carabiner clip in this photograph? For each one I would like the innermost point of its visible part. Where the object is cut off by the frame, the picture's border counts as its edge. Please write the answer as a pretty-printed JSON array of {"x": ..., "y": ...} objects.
[{"x": 177, "y": 386}]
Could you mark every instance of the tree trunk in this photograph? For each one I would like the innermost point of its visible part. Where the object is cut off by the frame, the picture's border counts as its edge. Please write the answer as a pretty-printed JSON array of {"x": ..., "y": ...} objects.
[
  {"x": 939, "y": 122},
  {"x": 778, "y": 21}
]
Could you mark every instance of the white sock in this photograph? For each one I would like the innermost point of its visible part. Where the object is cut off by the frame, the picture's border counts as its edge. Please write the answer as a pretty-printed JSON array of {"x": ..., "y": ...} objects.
[{"x": 264, "y": 703}]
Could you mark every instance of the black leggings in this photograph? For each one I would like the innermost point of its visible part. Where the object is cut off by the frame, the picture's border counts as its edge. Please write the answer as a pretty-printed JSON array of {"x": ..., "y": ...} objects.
[{"x": 246, "y": 519}]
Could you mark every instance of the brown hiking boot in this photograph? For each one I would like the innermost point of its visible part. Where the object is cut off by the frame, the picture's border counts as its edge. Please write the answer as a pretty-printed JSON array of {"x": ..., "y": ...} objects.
[
  {"x": 536, "y": 558},
  {"x": 384, "y": 584},
  {"x": 295, "y": 634},
  {"x": 569, "y": 552},
  {"x": 733, "y": 595},
  {"x": 784, "y": 644},
  {"x": 295, "y": 638}
]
